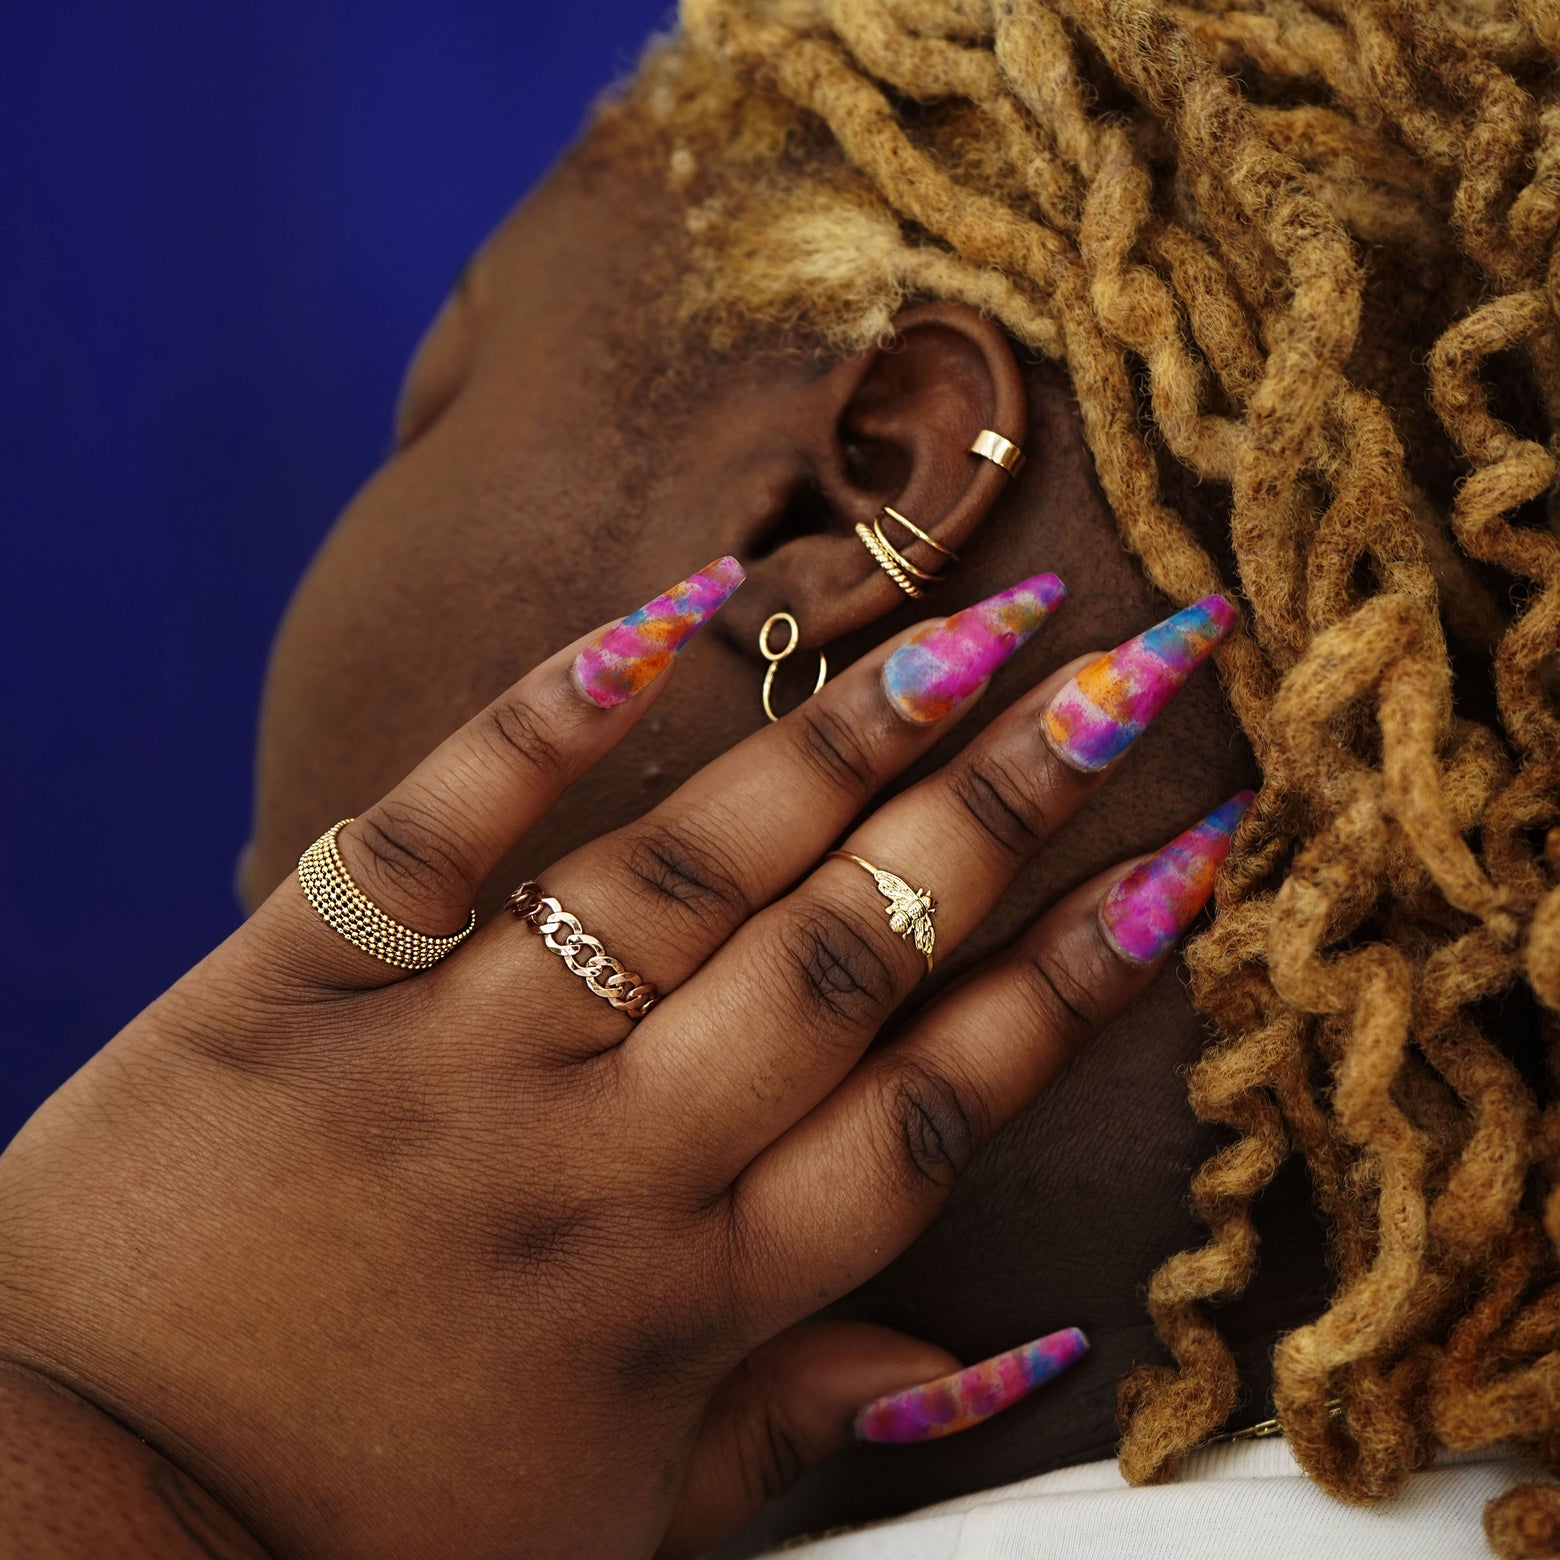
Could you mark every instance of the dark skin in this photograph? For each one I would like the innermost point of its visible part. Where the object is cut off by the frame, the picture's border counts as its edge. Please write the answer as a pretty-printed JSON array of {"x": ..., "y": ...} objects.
[
  {"x": 264, "y": 1255},
  {"x": 525, "y": 504}
]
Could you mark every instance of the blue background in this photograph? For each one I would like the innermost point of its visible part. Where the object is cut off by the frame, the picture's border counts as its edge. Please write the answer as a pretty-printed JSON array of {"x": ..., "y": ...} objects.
[{"x": 222, "y": 230}]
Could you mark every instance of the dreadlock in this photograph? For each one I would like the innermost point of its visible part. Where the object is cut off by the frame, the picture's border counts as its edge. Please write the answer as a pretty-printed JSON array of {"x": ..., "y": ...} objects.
[{"x": 1246, "y": 229}]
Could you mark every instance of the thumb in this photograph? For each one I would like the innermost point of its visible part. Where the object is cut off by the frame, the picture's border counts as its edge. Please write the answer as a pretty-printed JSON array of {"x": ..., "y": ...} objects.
[{"x": 786, "y": 1407}]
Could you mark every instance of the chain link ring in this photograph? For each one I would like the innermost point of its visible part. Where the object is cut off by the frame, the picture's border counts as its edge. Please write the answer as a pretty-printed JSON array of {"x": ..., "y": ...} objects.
[{"x": 581, "y": 953}]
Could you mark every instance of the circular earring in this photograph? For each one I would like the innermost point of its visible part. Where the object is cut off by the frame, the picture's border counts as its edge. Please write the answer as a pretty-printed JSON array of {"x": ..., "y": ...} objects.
[{"x": 775, "y": 657}]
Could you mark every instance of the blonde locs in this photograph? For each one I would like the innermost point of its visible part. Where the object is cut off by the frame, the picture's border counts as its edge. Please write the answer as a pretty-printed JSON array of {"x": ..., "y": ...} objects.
[{"x": 1173, "y": 201}]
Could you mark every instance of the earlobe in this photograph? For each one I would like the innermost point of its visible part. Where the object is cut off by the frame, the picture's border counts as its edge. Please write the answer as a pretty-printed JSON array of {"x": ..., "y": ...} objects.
[{"x": 902, "y": 492}]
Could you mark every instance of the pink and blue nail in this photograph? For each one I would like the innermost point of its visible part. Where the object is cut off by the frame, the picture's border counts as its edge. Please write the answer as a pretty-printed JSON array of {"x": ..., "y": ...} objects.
[
  {"x": 1107, "y": 706},
  {"x": 953, "y": 1403},
  {"x": 1158, "y": 899},
  {"x": 942, "y": 664},
  {"x": 631, "y": 655}
]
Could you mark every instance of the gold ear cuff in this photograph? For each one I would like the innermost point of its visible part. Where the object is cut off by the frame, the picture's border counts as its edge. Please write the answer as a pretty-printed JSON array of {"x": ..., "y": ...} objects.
[
  {"x": 1002, "y": 452},
  {"x": 989, "y": 445},
  {"x": 893, "y": 562}
]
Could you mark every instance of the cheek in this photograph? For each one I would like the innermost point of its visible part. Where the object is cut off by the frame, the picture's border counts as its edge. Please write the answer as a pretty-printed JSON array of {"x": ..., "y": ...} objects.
[
  {"x": 390, "y": 643},
  {"x": 438, "y": 369}
]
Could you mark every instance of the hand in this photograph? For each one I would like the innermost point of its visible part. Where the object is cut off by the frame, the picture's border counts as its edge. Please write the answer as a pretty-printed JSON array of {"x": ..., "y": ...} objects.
[{"x": 468, "y": 1261}]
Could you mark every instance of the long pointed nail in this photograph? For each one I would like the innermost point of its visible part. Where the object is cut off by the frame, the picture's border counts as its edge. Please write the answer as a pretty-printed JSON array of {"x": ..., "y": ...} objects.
[
  {"x": 943, "y": 663},
  {"x": 1158, "y": 899},
  {"x": 971, "y": 1395},
  {"x": 1106, "y": 707},
  {"x": 632, "y": 654}
]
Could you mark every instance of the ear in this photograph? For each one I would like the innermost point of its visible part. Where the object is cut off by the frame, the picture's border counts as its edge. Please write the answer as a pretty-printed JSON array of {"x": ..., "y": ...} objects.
[{"x": 892, "y": 426}]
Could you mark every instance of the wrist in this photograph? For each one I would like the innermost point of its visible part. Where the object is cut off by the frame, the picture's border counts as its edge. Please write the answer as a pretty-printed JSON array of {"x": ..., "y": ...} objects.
[
  {"x": 101, "y": 1356},
  {"x": 74, "y": 1481}
]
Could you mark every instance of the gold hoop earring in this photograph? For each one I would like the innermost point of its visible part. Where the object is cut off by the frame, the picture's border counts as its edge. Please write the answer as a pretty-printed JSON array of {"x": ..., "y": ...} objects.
[{"x": 775, "y": 657}]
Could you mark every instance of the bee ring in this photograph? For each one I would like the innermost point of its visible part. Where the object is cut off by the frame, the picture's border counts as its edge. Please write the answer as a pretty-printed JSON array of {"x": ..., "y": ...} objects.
[{"x": 909, "y": 910}]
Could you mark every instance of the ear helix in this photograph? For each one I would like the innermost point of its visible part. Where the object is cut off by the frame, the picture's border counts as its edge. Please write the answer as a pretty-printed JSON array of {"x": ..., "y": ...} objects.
[{"x": 989, "y": 445}]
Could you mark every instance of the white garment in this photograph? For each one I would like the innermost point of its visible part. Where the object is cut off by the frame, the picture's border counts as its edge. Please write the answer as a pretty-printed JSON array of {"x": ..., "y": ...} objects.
[{"x": 1248, "y": 1500}]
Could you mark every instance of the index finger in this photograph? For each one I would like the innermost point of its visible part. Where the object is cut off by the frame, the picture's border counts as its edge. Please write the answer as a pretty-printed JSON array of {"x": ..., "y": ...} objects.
[{"x": 422, "y": 853}]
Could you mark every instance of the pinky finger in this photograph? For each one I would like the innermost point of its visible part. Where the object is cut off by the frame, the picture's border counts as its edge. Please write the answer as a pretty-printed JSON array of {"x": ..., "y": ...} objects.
[{"x": 855, "y": 1181}]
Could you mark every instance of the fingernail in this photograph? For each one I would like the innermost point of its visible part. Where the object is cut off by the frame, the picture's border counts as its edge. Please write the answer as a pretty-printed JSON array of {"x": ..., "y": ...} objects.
[
  {"x": 1107, "y": 706},
  {"x": 944, "y": 663},
  {"x": 1159, "y": 898},
  {"x": 632, "y": 654},
  {"x": 971, "y": 1395}
]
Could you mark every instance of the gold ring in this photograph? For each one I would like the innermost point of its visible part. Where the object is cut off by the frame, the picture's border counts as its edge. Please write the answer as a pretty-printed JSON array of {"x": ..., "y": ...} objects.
[
  {"x": 344, "y": 908},
  {"x": 584, "y": 956},
  {"x": 884, "y": 557},
  {"x": 1003, "y": 452},
  {"x": 909, "y": 910}
]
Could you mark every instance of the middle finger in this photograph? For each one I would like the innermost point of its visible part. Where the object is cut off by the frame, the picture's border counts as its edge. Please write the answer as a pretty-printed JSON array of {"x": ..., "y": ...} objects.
[{"x": 809, "y": 981}]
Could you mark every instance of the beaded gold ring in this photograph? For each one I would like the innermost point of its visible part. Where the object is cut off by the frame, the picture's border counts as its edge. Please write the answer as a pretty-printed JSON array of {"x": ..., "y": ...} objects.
[{"x": 350, "y": 913}]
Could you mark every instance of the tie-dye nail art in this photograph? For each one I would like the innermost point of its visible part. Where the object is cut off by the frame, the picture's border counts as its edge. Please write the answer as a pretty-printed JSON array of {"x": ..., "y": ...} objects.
[
  {"x": 944, "y": 663},
  {"x": 1159, "y": 898},
  {"x": 1107, "y": 706},
  {"x": 633, "y": 653},
  {"x": 969, "y": 1396}
]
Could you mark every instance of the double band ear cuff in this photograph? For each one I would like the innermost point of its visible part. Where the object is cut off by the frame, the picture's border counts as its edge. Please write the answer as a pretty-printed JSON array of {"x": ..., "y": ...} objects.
[
  {"x": 920, "y": 535},
  {"x": 893, "y": 562}
]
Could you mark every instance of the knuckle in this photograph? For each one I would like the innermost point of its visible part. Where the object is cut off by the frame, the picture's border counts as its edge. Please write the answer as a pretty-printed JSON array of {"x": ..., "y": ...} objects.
[
  {"x": 935, "y": 1123},
  {"x": 774, "y": 1453},
  {"x": 679, "y": 867},
  {"x": 1067, "y": 1004},
  {"x": 836, "y": 751},
  {"x": 520, "y": 731},
  {"x": 412, "y": 851},
  {"x": 1003, "y": 801},
  {"x": 531, "y": 1246},
  {"x": 836, "y": 966},
  {"x": 673, "y": 1342}
]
